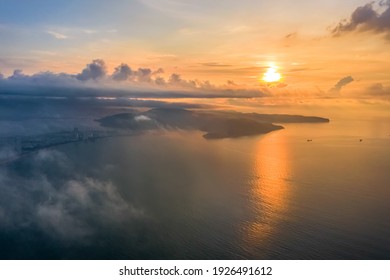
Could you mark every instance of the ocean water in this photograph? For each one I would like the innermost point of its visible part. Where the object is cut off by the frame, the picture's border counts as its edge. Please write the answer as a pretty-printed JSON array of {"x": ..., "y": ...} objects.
[{"x": 175, "y": 195}]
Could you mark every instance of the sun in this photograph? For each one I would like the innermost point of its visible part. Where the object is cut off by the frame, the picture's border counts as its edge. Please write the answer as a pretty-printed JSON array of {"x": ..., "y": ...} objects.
[{"x": 271, "y": 75}]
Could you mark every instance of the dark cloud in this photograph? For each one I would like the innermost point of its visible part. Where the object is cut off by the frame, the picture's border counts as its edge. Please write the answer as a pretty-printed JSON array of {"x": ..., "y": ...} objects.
[
  {"x": 42, "y": 78},
  {"x": 143, "y": 75},
  {"x": 340, "y": 84},
  {"x": 18, "y": 74},
  {"x": 122, "y": 73},
  {"x": 231, "y": 83},
  {"x": 376, "y": 87},
  {"x": 367, "y": 18},
  {"x": 93, "y": 71},
  {"x": 175, "y": 80},
  {"x": 158, "y": 71},
  {"x": 40, "y": 83},
  {"x": 160, "y": 81},
  {"x": 378, "y": 90}
]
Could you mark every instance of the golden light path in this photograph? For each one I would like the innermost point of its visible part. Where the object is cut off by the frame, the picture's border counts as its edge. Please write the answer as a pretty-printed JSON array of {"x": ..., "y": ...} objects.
[{"x": 270, "y": 188}]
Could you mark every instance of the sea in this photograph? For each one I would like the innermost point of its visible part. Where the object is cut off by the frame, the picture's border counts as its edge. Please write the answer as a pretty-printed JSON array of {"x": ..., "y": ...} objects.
[{"x": 308, "y": 191}]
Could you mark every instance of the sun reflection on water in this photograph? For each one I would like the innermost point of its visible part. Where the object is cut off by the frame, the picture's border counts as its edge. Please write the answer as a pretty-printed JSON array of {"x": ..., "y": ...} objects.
[{"x": 270, "y": 188}]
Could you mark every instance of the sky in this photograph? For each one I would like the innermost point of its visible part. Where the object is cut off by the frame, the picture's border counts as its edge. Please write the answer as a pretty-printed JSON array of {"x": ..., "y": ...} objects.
[{"x": 319, "y": 48}]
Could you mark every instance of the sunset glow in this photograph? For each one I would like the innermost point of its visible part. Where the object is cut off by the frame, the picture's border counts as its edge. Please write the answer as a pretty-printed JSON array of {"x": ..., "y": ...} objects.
[{"x": 190, "y": 45}]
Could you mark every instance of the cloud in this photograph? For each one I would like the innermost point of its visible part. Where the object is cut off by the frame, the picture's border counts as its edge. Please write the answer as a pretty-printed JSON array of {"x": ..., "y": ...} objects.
[
  {"x": 122, "y": 73},
  {"x": 17, "y": 74},
  {"x": 340, "y": 84},
  {"x": 69, "y": 211},
  {"x": 378, "y": 90},
  {"x": 147, "y": 76},
  {"x": 143, "y": 75},
  {"x": 94, "y": 81},
  {"x": 175, "y": 80},
  {"x": 366, "y": 18},
  {"x": 160, "y": 81},
  {"x": 90, "y": 31},
  {"x": 60, "y": 201},
  {"x": 41, "y": 78},
  {"x": 57, "y": 35},
  {"x": 376, "y": 87},
  {"x": 94, "y": 71},
  {"x": 158, "y": 71},
  {"x": 215, "y": 64},
  {"x": 41, "y": 84},
  {"x": 231, "y": 83},
  {"x": 142, "y": 118},
  {"x": 52, "y": 156}
]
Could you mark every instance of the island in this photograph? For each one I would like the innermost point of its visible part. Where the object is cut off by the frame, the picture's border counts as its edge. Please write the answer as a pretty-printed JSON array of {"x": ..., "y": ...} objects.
[{"x": 215, "y": 124}]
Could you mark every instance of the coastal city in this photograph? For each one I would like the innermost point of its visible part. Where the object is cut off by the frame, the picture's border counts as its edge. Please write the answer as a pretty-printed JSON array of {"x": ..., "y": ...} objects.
[{"x": 19, "y": 145}]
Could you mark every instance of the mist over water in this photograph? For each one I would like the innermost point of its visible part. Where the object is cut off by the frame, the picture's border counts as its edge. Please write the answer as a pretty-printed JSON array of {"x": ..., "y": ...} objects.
[{"x": 175, "y": 195}]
